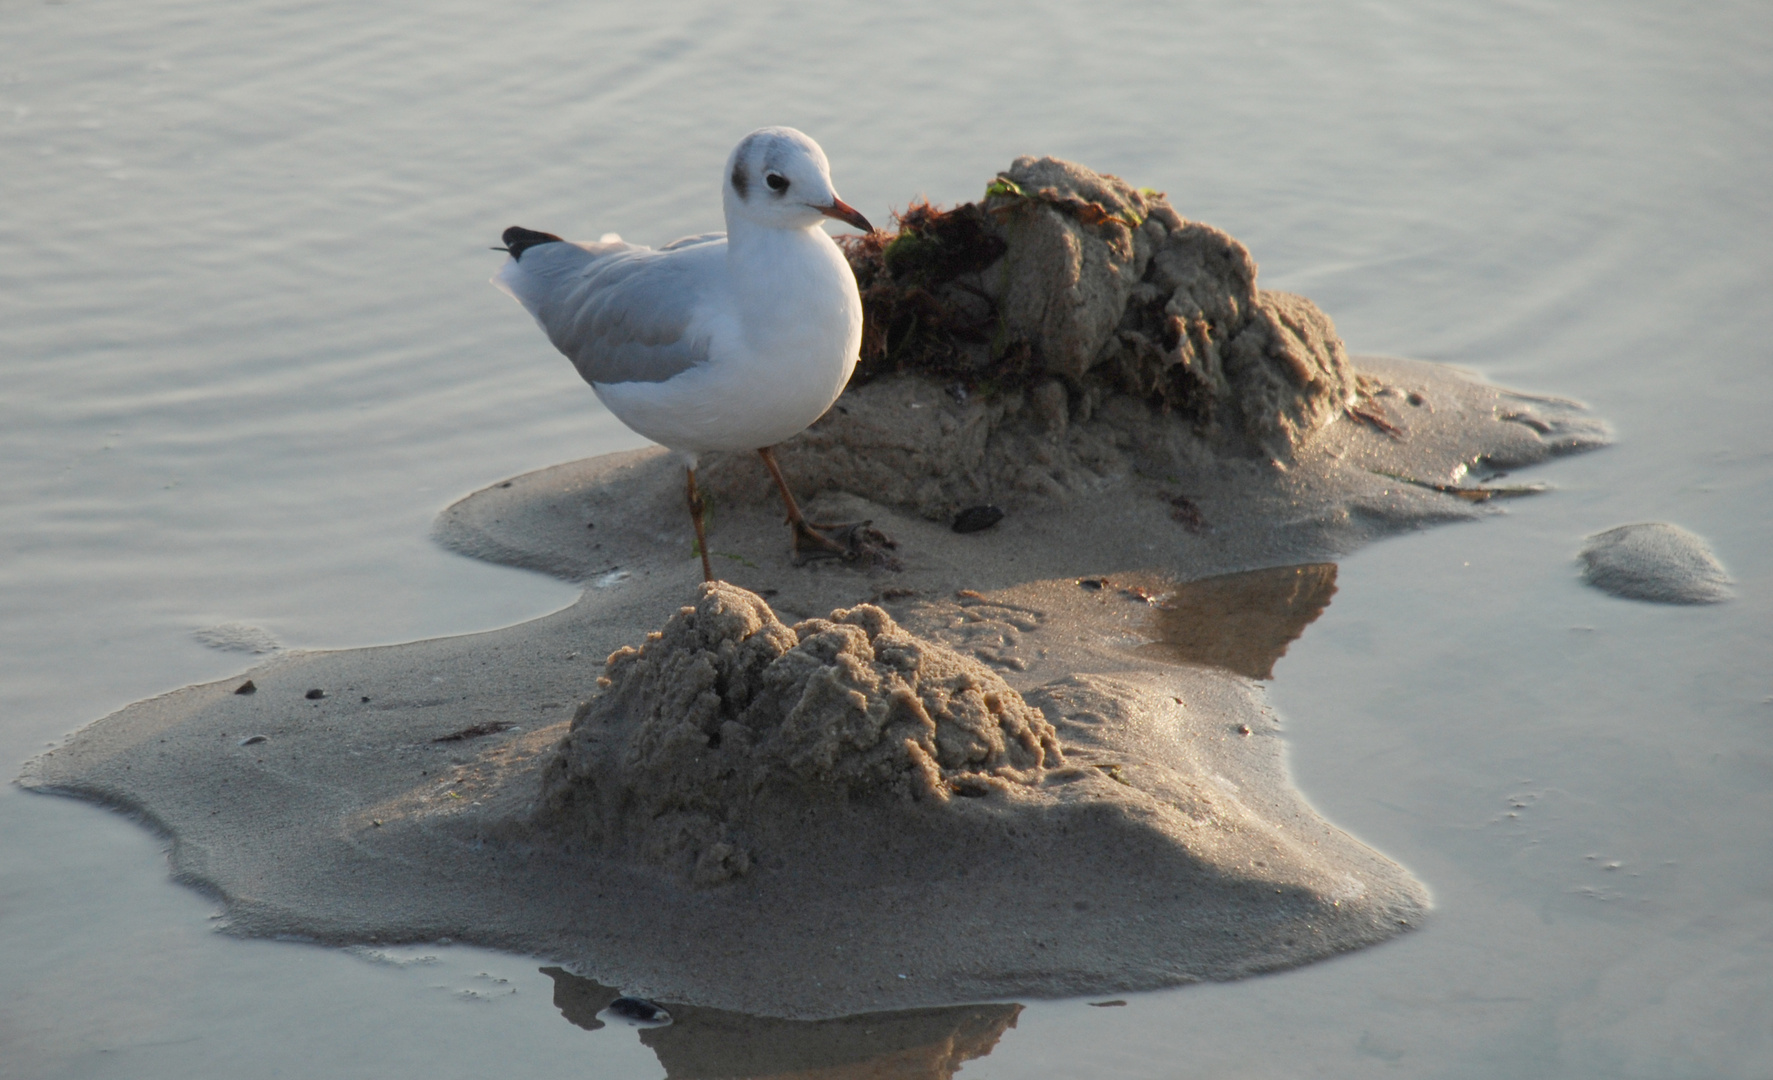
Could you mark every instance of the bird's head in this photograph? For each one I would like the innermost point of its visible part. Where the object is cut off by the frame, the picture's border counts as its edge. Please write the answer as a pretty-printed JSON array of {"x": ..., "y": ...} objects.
[{"x": 778, "y": 178}]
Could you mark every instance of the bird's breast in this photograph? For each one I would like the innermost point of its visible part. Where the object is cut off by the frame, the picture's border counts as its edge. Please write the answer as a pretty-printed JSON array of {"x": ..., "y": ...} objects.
[{"x": 796, "y": 303}]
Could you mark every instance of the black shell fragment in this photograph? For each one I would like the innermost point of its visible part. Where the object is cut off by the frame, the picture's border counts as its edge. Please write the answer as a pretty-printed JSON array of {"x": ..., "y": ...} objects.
[{"x": 976, "y": 518}]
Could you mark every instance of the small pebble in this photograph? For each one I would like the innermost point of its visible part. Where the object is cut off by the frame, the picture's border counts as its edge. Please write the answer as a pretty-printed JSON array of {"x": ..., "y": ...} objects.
[
  {"x": 977, "y": 519},
  {"x": 640, "y": 1009},
  {"x": 1243, "y": 729},
  {"x": 247, "y": 687},
  {"x": 315, "y": 695},
  {"x": 251, "y": 740},
  {"x": 1106, "y": 1004},
  {"x": 1094, "y": 584}
]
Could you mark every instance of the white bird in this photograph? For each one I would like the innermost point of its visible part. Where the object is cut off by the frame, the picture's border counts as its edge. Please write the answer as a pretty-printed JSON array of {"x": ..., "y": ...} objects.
[{"x": 723, "y": 341}]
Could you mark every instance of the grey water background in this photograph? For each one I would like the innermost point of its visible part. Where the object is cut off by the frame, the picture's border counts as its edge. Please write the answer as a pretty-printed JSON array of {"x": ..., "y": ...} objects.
[{"x": 247, "y": 352}]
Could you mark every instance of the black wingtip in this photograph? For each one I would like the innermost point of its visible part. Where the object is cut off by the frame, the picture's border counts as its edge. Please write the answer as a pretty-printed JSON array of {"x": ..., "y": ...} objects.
[{"x": 519, "y": 240}]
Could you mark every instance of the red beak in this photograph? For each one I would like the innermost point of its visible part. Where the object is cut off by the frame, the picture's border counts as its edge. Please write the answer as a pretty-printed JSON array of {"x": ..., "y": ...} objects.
[{"x": 843, "y": 211}]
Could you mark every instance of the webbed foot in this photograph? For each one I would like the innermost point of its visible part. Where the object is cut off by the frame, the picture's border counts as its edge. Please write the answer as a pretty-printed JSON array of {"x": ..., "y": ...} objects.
[{"x": 854, "y": 542}]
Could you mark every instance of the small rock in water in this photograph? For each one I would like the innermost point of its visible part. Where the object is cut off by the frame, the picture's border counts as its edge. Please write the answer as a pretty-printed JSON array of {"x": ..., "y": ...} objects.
[
  {"x": 640, "y": 1010},
  {"x": 1655, "y": 561},
  {"x": 315, "y": 695},
  {"x": 977, "y": 518}
]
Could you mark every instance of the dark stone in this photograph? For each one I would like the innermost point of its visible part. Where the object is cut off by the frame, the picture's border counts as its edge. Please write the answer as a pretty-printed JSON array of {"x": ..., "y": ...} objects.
[{"x": 977, "y": 518}]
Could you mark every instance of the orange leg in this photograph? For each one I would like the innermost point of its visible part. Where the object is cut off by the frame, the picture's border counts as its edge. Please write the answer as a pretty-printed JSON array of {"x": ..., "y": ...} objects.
[
  {"x": 695, "y": 508},
  {"x": 804, "y": 534}
]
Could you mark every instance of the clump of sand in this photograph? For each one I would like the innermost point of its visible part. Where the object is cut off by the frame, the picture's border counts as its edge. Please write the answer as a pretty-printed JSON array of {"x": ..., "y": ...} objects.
[
  {"x": 726, "y": 710},
  {"x": 1061, "y": 332},
  {"x": 1116, "y": 293},
  {"x": 1655, "y": 561}
]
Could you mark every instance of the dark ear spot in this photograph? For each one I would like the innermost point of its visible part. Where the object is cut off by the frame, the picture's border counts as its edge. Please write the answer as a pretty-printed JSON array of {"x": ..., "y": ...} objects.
[{"x": 740, "y": 180}]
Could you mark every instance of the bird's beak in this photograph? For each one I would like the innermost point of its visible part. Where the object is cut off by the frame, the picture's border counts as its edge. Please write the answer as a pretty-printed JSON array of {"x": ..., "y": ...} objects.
[{"x": 843, "y": 211}]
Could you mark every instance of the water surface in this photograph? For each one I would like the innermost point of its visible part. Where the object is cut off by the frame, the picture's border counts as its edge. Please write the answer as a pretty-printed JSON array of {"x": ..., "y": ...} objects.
[{"x": 248, "y": 352}]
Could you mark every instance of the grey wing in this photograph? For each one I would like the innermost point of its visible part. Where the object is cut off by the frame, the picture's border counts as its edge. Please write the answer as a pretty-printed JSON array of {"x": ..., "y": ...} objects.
[{"x": 620, "y": 313}]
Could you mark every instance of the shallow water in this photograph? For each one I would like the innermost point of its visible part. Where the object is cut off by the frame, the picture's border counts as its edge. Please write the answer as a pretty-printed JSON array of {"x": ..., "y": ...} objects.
[{"x": 248, "y": 352}]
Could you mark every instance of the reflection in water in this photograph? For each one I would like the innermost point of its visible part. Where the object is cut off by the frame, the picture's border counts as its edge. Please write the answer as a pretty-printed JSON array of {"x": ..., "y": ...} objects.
[
  {"x": 702, "y": 1044},
  {"x": 1241, "y": 622}
]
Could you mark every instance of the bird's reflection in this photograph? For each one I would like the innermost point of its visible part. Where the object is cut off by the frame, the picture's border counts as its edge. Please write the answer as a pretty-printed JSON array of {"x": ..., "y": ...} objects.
[
  {"x": 704, "y": 1044},
  {"x": 1240, "y": 622}
]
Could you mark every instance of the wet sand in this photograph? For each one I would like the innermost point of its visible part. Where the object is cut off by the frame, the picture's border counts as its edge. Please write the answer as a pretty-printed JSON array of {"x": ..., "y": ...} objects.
[{"x": 386, "y": 795}]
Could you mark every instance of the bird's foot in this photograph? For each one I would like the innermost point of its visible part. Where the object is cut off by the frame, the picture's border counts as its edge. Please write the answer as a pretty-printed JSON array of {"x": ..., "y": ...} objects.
[{"x": 855, "y": 542}]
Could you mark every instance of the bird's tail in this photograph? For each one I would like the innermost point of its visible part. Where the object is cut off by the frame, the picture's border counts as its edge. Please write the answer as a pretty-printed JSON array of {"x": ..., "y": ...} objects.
[{"x": 519, "y": 240}]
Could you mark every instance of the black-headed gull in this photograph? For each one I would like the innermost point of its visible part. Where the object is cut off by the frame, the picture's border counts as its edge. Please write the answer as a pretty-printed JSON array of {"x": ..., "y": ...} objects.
[{"x": 724, "y": 341}]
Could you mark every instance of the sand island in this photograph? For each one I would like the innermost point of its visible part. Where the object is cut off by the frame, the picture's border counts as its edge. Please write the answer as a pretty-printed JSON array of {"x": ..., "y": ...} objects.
[{"x": 1015, "y": 744}]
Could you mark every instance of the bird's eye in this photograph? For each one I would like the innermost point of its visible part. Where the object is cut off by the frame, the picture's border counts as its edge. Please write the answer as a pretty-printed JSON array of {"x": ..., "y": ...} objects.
[{"x": 776, "y": 181}]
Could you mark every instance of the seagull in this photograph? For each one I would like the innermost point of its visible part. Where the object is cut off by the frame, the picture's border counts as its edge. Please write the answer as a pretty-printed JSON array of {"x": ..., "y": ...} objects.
[{"x": 723, "y": 341}]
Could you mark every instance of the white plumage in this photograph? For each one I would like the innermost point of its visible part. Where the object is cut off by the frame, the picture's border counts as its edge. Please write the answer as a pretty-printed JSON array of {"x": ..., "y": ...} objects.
[{"x": 731, "y": 341}]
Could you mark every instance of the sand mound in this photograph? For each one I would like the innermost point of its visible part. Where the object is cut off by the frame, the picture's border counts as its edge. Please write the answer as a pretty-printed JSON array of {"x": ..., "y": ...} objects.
[
  {"x": 1162, "y": 844},
  {"x": 727, "y": 710},
  {"x": 1655, "y": 561},
  {"x": 1115, "y": 292},
  {"x": 1081, "y": 329}
]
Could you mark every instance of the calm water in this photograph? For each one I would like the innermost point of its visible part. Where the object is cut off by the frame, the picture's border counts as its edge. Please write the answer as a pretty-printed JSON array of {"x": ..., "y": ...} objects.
[{"x": 248, "y": 351}]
